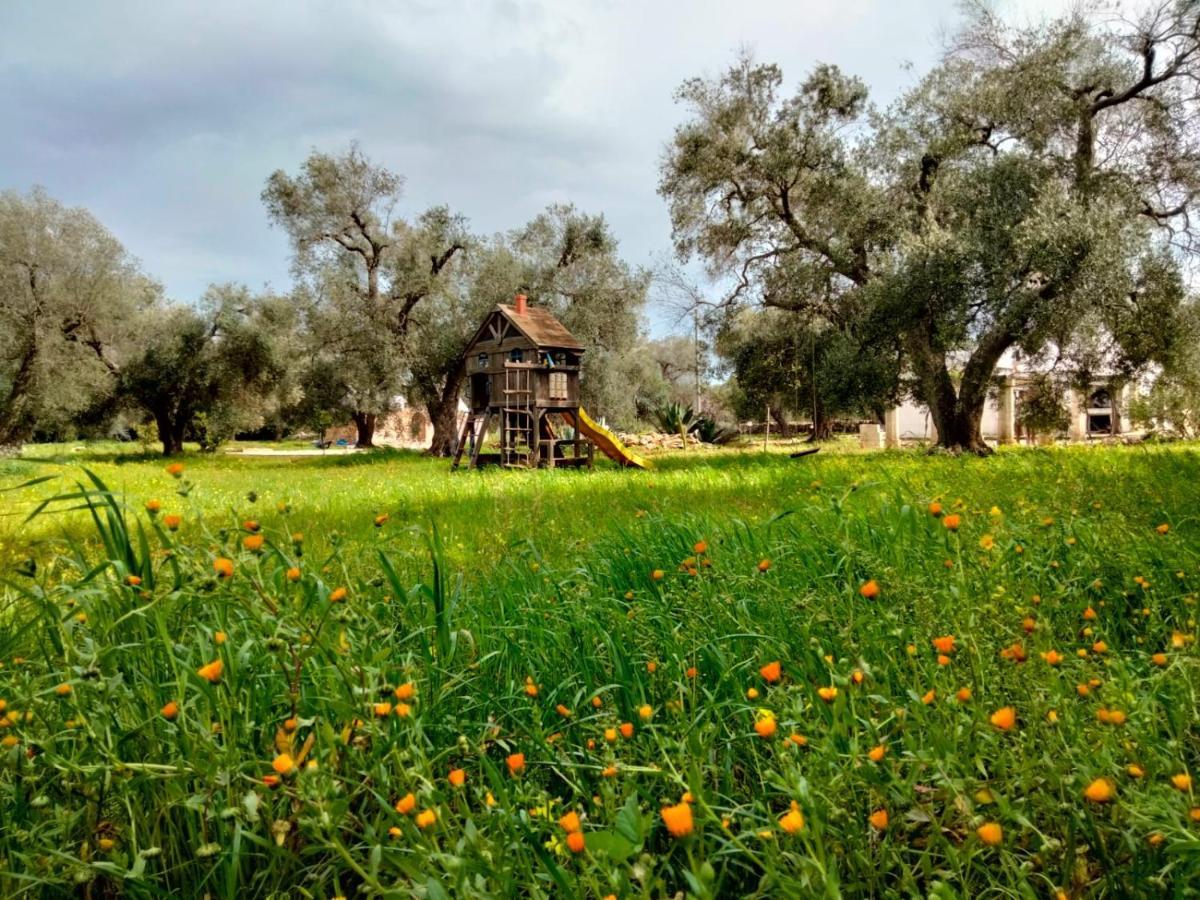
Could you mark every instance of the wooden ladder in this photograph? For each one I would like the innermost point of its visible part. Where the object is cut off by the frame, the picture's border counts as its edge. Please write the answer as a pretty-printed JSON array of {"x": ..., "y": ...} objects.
[{"x": 517, "y": 419}]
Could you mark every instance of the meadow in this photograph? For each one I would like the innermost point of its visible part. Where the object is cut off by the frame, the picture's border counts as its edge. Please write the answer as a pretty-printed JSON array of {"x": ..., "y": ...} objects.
[{"x": 735, "y": 675}]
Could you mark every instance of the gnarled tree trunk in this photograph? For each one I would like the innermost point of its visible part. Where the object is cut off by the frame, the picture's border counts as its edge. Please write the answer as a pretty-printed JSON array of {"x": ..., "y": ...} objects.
[
  {"x": 443, "y": 413},
  {"x": 822, "y": 428},
  {"x": 957, "y": 413},
  {"x": 170, "y": 432},
  {"x": 364, "y": 425}
]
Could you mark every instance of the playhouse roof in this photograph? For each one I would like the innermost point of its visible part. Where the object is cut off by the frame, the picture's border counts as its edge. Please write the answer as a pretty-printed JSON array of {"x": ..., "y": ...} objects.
[{"x": 539, "y": 326}]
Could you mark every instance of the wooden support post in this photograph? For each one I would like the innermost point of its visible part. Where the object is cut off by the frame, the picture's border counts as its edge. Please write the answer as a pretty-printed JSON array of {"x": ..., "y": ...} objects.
[
  {"x": 487, "y": 418},
  {"x": 458, "y": 451}
]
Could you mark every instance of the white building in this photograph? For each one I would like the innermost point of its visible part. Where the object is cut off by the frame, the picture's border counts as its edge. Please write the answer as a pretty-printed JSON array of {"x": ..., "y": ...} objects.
[{"x": 1090, "y": 415}]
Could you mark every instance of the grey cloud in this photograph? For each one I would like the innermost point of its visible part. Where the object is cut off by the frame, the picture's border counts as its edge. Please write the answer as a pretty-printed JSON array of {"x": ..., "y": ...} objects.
[{"x": 165, "y": 118}]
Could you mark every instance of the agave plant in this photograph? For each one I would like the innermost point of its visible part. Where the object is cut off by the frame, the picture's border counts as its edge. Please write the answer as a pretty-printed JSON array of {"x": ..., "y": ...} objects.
[
  {"x": 675, "y": 418},
  {"x": 710, "y": 432}
]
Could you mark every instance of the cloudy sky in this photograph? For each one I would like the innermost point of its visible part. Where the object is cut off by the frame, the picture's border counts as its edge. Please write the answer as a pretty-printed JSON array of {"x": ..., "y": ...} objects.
[{"x": 165, "y": 118}]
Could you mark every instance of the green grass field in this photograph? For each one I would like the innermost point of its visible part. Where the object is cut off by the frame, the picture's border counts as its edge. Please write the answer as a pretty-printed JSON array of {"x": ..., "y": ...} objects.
[{"x": 565, "y": 684}]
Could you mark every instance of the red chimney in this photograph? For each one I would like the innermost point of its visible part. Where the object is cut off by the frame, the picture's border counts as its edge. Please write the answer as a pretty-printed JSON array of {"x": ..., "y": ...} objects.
[{"x": 522, "y": 304}]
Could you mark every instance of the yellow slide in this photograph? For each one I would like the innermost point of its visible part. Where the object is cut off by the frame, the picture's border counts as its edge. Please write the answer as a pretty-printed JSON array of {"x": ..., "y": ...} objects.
[{"x": 608, "y": 442}]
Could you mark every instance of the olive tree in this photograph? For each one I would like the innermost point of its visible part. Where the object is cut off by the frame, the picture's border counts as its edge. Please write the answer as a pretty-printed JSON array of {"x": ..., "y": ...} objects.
[
  {"x": 375, "y": 267},
  {"x": 70, "y": 298},
  {"x": 1036, "y": 180},
  {"x": 206, "y": 372}
]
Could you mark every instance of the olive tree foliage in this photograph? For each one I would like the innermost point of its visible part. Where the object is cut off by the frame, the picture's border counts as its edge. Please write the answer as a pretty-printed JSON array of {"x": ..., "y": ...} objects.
[
  {"x": 442, "y": 328},
  {"x": 70, "y": 296},
  {"x": 372, "y": 267},
  {"x": 1170, "y": 404},
  {"x": 572, "y": 266},
  {"x": 1038, "y": 182},
  {"x": 209, "y": 371},
  {"x": 805, "y": 368}
]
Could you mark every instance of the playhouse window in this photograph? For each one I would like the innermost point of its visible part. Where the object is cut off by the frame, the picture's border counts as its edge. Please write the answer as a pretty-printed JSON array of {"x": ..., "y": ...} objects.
[
  {"x": 482, "y": 361},
  {"x": 517, "y": 355},
  {"x": 558, "y": 385}
]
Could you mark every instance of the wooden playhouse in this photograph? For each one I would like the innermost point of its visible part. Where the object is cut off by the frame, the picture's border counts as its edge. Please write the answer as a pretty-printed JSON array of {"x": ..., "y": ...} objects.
[{"x": 522, "y": 370}]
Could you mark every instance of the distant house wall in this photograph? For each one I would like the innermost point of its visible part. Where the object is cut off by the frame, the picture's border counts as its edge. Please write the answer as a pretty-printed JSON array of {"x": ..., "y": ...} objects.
[
  {"x": 915, "y": 422},
  {"x": 408, "y": 427}
]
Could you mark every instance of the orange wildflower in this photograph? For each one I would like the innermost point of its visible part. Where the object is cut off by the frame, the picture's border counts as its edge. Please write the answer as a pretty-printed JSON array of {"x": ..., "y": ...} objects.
[
  {"x": 828, "y": 694},
  {"x": 1101, "y": 790},
  {"x": 1004, "y": 718},
  {"x": 764, "y": 564},
  {"x": 657, "y": 575},
  {"x": 1052, "y": 657},
  {"x": 172, "y": 521},
  {"x": 929, "y": 698},
  {"x": 457, "y": 777},
  {"x": 627, "y": 730},
  {"x": 283, "y": 764},
  {"x": 678, "y": 819},
  {"x": 935, "y": 509},
  {"x": 700, "y": 547},
  {"x": 175, "y": 470},
  {"x": 211, "y": 672},
  {"x": 990, "y": 833},
  {"x": 253, "y": 542},
  {"x": 944, "y": 644},
  {"x": 870, "y": 590},
  {"x": 406, "y": 691},
  {"x": 765, "y": 726},
  {"x": 1182, "y": 782},
  {"x": 878, "y": 819},
  {"x": 576, "y": 842},
  {"x": 337, "y": 595},
  {"x": 963, "y": 695},
  {"x": 515, "y": 763},
  {"x": 793, "y": 820},
  {"x": 771, "y": 672},
  {"x": 426, "y": 819},
  {"x": 382, "y": 709},
  {"x": 877, "y": 752},
  {"x": 1159, "y": 659},
  {"x": 952, "y": 521},
  {"x": 570, "y": 822},
  {"x": 169, "y": 711},
  {"x": 1015, "y": 652},
  {"x": 223, "y": 567},
  {"x": 406, "y": 804}
]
